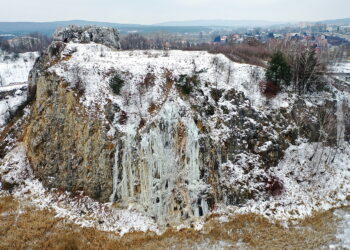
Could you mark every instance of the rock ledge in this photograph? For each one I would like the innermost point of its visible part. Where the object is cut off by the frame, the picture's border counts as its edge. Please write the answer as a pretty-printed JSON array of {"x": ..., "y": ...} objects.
[{"x": 84, "y": 34}]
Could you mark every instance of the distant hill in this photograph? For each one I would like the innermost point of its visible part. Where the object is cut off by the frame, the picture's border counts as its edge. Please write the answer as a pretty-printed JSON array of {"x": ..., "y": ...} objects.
[
  {"x": 222, "y": 23},
  {"x": 20, "y": 28},
  {"x": 344, "y": 21},
  {"x": 47, "y": 28}
]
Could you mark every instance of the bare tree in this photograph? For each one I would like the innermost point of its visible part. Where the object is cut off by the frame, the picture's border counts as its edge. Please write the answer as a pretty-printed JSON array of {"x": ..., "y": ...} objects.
[{"x": 134, "y": 41}]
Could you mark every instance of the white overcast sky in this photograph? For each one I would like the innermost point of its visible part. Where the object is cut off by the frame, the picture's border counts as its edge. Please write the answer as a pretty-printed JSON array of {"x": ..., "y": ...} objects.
[{"x": 154, "y": 11}]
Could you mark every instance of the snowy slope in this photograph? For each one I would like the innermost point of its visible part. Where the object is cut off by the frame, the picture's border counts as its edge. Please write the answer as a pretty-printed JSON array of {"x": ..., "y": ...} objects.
[
  {"x": 93, "y": 62},
  {"x": 316, "y": 178},
  {"x": 16, "y": 70},
  {"x": 11, "y": 97},
  {"x": 13, "y": 81},
  {"x": 343, "y": 67}
]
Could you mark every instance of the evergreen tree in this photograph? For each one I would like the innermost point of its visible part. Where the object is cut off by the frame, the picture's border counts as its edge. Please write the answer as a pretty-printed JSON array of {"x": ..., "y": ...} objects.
[{"x": 278, "y": 70}]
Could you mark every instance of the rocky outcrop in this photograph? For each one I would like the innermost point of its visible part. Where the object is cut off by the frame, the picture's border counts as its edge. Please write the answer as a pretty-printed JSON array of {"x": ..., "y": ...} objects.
[
  {"x": 67, "y": 148},
  {"x": 170, "y": 153},
  {"x": 102, "y": 35}
]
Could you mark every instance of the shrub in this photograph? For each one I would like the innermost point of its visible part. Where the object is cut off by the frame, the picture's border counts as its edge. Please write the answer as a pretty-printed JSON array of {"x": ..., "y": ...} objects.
[
  {"x": 274, "y": 186},
  {"x": 185, "y": 83},
  {"x": 186, "y": 89},
  {"x": 149, "y": 80},
  {"x": 216, "y": 94},
  {"x": 116, "y": 83},
  {"x": 308, "y": 72},
  {"x": 269, "y": 89},
  {"x": 123, "y": 117},
  {"x": 152, "y": 108}
]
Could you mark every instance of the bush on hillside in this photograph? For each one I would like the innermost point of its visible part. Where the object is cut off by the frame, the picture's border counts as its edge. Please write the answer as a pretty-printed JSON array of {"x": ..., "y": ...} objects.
[
  {"x": 116, "y": 83},
  {"x": 185, "y": 83},
  {"x": 269, "y": 89}
]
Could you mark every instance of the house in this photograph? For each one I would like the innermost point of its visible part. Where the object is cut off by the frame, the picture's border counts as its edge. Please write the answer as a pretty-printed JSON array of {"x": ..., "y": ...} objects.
[{"x": 220, "y": 39}]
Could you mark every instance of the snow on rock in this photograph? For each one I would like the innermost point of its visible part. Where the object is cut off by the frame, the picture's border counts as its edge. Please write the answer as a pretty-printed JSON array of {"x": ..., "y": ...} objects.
[
  {"x": 15, "y": 69},
  {"x": 163, "y": 163},
  {"x": 16, "y": 174},
  {"x": 312, "y": 177},
  {"x": 315, "y": 178},
  {"x": 85, "y": 34}
]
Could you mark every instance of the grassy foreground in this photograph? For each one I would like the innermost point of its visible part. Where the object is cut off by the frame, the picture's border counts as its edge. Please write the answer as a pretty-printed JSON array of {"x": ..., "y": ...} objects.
[{"x": 23, "y": 227}]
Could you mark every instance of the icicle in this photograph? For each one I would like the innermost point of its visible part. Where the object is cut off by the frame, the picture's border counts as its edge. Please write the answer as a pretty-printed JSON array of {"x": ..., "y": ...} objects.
[
  {"x": 165, "y": 164},
  {"x": 115, "y": 175}
]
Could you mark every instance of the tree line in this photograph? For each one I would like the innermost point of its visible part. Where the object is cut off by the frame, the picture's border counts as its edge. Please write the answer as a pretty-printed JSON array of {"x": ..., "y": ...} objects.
[
  {"x": 29, "y": 43},
  {"x": 299, "y": 67}
]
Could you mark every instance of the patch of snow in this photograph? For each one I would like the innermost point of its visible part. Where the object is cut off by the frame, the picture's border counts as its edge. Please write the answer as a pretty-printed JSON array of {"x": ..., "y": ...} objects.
[
  {"x": 16, "y": 70},
  {"x": 11, "y": 97},
  {"x": 343, "y": 67},
  {"x": 266, "y": 146},
  {"x": 344, "y": 230}
]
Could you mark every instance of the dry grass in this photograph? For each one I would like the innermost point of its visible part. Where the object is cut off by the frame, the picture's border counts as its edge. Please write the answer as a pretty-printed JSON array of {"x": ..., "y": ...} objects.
[
  {"x": 34, "y": 229},
  {"x": 254, "y": 54}
]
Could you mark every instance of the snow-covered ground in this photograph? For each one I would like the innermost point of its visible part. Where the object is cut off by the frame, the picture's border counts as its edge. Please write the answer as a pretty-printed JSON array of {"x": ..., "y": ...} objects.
[
  {"x": 16, "y": 69},
  {"x": 343, "y": 67},
  {"x": 93, "y": 62},
  {"x": 343, "y": 230},
  {"x": 11, "y": 97},
  {"x": 14, "y": 73},
  {"x": 341, "y": 71}
]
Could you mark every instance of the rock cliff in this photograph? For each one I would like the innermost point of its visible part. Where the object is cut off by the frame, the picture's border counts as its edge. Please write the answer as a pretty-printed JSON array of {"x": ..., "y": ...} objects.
[
  {"x": 86, "y": 34},
  {"x": 174, "y": 134}
]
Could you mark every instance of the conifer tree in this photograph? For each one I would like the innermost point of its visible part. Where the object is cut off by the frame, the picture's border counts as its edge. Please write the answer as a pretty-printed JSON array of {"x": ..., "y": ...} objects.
[{"x": 278, "y": 70}]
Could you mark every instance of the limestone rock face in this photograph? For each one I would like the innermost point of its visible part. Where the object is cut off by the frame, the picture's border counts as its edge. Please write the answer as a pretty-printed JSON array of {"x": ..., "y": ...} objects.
[
  {"x": 102, "y": 35},
  {"x": 67, "y": 148}
]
